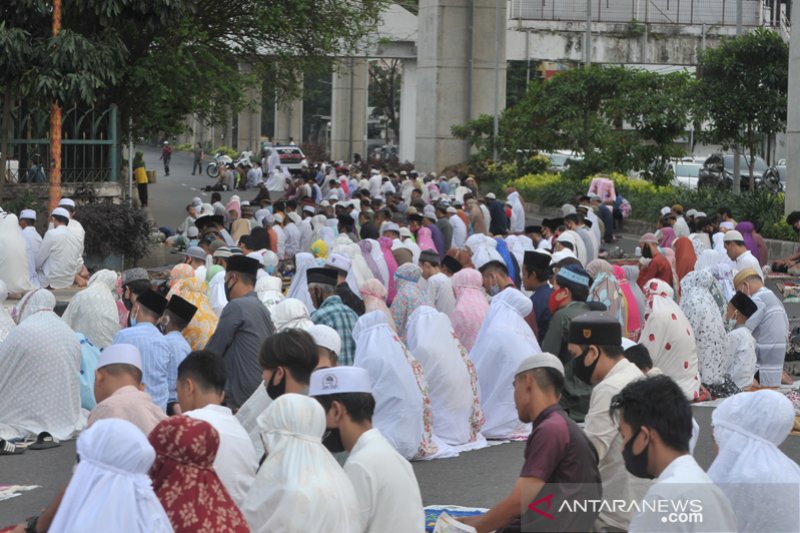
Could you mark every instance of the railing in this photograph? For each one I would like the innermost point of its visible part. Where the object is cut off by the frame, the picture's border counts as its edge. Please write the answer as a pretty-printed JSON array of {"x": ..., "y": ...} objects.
[{"x": 684, "y": 12}]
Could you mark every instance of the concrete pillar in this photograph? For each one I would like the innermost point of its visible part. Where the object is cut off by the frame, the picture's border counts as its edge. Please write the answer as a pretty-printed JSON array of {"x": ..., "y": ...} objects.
[
  {"x": 349, "y": 109},
  {"x": 408, "y": 111},
  {"x": 248, "y": 131},
  {"x": 456, "y": 71},
  {"x": 289, "y": 122},
  {"x": 792, "y": 201}
]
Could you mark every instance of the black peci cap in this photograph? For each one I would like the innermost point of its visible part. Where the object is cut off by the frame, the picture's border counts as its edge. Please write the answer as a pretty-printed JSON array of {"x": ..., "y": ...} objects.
[{"x": 597, "y": 328}]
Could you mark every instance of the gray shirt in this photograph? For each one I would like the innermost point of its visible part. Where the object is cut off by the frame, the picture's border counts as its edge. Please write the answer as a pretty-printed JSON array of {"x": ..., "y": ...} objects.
[
  {"x": 447, "y": 232},
  {"x": 242, "y": 328}
]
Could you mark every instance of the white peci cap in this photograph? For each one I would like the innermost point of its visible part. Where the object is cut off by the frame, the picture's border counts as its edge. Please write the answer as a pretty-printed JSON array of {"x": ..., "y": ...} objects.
[
  {"x": 28, "y": 213},
  {"x": 60, "y": 212},
  {"x": 486, "y": 255},
  {"x": 339, "y": 380},
  {"x": 339, "y": 261},
  {"x": 732, "y": 235},
  {"x": 327, "y": 337},
  {"x": 66, "y": 202},
  {"x": 117, "y": 354},
  {"x": 541, "y": 360}
]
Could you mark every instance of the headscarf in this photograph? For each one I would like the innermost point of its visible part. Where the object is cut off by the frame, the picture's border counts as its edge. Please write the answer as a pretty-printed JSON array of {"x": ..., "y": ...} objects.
[
  {"x": 746, "y": 229},
  {"x": 402, "y": 406},
  {"x": 366, "y": 252},
  {"x": 709, "y": 329},
  {"x": 634, "y": 314},
  {"x": 359, "y": 271},
  {"x": 40, "y": 362},
  {"x": 667, "y": 237},
  {"x": 391, "y": 264},
  {"x": 6, "y": 322},
  {"x": 299, "y": 474},
  {"x": 14, "y": 257},
  {"x": 204, "y": 322},
  {"x": 319, "y": 249},
  {"x": 471, "y": 306},
  {"x": 269, "y": 290},
  {"x": 409, "y": 296},
  {"x": 374, "y": 294},
  {"x": 502, "y": 249},
  {"x": 632, "y": 274},
  {"x": 748, "y": 428},
  {"x": 184, "y": 479},
  {"x": 668, "y": 337},
  {"x": 605, "y": 290},
  {"x": 425, "y": 240},
  {"x": 298, "y": 289},
  {"x": 235, "y": 205},
  {"x": 110, "y": 489},
  {"x": 93, "y": 311},
  {"x": 721, "y": 268},
  {"x": 180, "y": 271},
  {"x": 291, "y": 313},
  {"x": 685, "y": 257},
  {"x": 452, "y": 379},
  {"x": 212, "y": 271}
]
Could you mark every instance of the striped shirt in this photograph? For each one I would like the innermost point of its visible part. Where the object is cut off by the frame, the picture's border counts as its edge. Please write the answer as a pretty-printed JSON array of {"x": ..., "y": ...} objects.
[
  {"x": 180, "y": 349},
  {"x": 156, "y": 353}
]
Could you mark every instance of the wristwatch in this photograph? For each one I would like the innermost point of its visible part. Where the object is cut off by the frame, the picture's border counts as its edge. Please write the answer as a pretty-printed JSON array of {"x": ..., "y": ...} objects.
[{"x": 30, "y": 524}]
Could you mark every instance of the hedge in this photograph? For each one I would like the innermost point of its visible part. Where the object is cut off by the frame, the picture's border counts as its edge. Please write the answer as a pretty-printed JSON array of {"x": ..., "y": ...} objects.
[{"x": 762, "y": 208}]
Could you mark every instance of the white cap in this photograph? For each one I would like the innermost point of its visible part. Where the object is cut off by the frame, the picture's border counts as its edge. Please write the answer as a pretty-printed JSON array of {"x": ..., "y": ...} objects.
[
  {"x": 691, "y": 212},
  {"x": 340, "y": 261},
  {"x": 561, "y": 255},
  {"x": 666, "y": 210},
  {"x": 197, "y": 202},
  {"x": 405, "y": 233},
  {"x": 192, "y": 232},
  {"x": 324, "y": 203},
  {"x": 374, "y": 171},
  {"x": 491, "y": 196},
  {"x": 309, "y": 208},
  {"x": 732, "y": 235},
  {"x": 485, "y": 255},
  {"x": 195, "y": 252},
  {"x": 541, "y": 360},
  {"x": 120, "y": 354},
  {"x": 452, "y": 210},
  {"x": 699, "y": 214},
  {"x": 61, "y": 212},
  {"x": 327, "y": 337},
  {"x": 28, "y": 213},
  {"x": 627, "y": 343},
  {"x": 339, "y": 380},
  {"x": 727, "y": 225},
  {"x": 66, "y": 202},
  {"x": 391, "y": 226}
]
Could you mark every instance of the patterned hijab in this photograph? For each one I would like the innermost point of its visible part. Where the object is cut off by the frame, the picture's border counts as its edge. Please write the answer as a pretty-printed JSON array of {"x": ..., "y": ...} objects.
[
  {"x": 634, "y": 314},
  {"x": 605, "y": 290},
  {"x": 184, "y": 479},
  {"x": 204, "y": 322},
  {"x": 374, "y": 294},
  {"x": 409, "y": 296},
  {"x": 471, "y": 306}
]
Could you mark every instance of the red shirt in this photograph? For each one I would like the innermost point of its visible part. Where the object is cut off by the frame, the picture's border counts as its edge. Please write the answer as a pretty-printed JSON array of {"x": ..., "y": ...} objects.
[{"x": 658, "y": 268}]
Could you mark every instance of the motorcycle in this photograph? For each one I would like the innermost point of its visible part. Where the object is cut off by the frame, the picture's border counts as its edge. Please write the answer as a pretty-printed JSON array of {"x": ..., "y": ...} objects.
[{"x": 220, "y": 160}]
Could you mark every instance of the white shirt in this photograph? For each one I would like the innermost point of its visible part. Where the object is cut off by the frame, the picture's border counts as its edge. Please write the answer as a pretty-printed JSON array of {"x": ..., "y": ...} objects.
[
  {"x": 59, "y": 258},
  {"x": 681, "y": 228},
  {"x": 544, "y": 245},
  {"x": 603, "y": 433},
  {"x": 770, "y": 328},
  {"x": 440, "y": 289},
  {"x": 375, "y": 185},
  {"x": 33, "y": 241},
  {"x": 200, "y": 273},
  {"x": 236, "y": 460},
  {"x": 292, "y": 233},
  {"x": 216, "y": 292},
  {"x": 459, "y": 231},
  {"x": 748, "y": 260},
  {"x": 683, "y": 482},
  {"x": 742, "y": 346},
  {"x": 386, "y": 489}
]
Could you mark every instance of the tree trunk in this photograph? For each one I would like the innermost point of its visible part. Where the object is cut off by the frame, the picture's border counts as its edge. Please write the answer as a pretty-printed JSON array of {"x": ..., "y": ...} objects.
[{"x": 5, "y": 124}]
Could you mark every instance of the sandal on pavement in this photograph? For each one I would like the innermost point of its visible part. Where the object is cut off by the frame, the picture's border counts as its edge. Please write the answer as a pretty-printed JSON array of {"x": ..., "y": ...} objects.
[
  {"x": 44, "y": 441},
  {"x": 6, "y": 448}
]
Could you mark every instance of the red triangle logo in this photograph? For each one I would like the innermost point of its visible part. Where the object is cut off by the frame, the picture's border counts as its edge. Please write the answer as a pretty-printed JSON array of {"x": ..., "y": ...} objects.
[{"x": 533, "y": 506}]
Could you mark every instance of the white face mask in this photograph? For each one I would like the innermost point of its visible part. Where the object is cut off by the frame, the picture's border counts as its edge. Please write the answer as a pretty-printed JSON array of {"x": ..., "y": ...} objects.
[{"x": 730, "y": 325}]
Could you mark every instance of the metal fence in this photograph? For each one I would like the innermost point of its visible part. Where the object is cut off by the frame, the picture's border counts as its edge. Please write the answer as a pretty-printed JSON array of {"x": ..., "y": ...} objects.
[
  {"x": 685, "y": 12},
  {"x": 90, "y": 146}
]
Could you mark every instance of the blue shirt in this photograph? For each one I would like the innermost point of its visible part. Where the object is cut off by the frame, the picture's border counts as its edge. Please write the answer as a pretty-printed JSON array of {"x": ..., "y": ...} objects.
[
  {"x": 90, "y": 357},
  {"x": 540, "y": 299},
  {"x": 156, "y": 353},
  {"x": 180, "y": 349},
  {"x": 337, "y": 315}
]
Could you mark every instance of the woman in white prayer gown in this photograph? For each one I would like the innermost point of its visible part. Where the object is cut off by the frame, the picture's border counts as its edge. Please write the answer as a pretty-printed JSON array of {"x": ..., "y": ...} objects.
[
  {"x": 760, "y": 481},
  {"x": 452, "y": 379},
  {"x": 93, "y": 311},
  {"x": 110, "y": 489},
  {"x": 269, "y": 290},
  {"x": 6, "y": 322},
  {"x": 504, "y": 340},
  {"x": 359, "y": 271},
  {"x": 291, "y": 313},
  {"x": 40, "y": 364},
  {"x": 298, "y": 289},
  {"x": 300, "y": 487},
  {"x": 13, "y": 255}
]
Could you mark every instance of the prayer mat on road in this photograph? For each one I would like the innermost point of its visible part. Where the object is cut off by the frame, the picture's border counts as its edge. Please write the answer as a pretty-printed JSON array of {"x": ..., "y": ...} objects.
[{"x": 432, "y": 513}]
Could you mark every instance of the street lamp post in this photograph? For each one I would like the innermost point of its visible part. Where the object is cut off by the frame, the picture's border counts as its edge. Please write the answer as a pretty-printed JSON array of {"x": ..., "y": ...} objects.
[{"x": 55, "y": 128}]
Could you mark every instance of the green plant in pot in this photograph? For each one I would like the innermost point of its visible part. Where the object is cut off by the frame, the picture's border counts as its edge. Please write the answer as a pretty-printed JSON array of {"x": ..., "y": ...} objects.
[{"x": 113, "y": 232}]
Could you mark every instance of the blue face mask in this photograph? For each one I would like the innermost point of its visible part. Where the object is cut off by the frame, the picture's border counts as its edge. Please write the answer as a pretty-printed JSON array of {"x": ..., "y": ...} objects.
[
  {"x": 270, "y": 269},
  {"x": 494, "y": 290},
  {"x": 132, "y": 320}
]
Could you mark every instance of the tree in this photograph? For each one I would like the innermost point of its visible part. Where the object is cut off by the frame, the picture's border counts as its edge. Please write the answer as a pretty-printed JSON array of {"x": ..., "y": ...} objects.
[
  {"x": 384, "y": 93},
  {"x": 742, "y": 91}
]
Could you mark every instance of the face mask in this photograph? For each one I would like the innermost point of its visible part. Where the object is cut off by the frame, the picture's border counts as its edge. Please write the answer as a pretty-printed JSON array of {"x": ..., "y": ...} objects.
[
  {"x": 127, "y": 303},
  {"x": 332, "y": 439},
  {"x": 636, "y": 464},
  {"x": 228, "y": 289},
  {"x": 275, "y": 391},
  {"x": 271, "y": 269},
  {"x": 552, "y": 303},
  {"x": 730, "y": 324},
  {"x": 581, "y": 371},
  {"x": 162, "y": 326},
  {"x": 647, "y": 253},
  {"x": 494, "y": 290}
]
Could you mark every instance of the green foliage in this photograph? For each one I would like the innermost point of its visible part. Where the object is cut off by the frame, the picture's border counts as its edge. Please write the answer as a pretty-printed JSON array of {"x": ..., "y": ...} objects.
[
  {"x": 385, "y": 78},
  {"x": 183, "y": 147},
  {"x": 116, "y": 229},
  {"x": 227, "y": 150}
]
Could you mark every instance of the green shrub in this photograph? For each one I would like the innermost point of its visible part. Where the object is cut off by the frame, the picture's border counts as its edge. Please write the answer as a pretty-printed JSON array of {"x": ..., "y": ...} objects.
[
  {"x": 184, "y": 147},
  {"x": 114, "y": 229},
  {"x": 227, "y": 150}
]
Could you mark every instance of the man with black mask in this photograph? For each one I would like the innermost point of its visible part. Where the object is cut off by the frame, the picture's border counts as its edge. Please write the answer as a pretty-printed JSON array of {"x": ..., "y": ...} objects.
[
  {"x": 595, "y": 341},
  {"x": 386, "y": 487},
  {"x": 655, "y": 421},
  {"x": 287, "y": 360}
]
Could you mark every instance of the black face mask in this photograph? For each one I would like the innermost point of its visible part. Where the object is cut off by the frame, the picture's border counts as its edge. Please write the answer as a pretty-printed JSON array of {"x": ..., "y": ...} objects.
[
  {"x": 228, "y": 289},
  {"x": 647, "y": 253},
  {"x": 636, "y": 464},
  {"x": 275, "y": 391},
  {"x": 332, "y": 439},
  {"x": 127, "y": 303},
  {"x": 582, "y": 372}
]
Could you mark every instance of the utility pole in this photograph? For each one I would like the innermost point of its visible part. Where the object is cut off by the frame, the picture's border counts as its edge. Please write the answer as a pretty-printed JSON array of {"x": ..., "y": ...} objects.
[
  {"x": 497, "y": 36},
  {"x": 792, "y": 199},
  {"x": 54, "y": 192},
  {"x": 130, "y": 161},
  {"x": 737, "y": 163},
  {"x": 587, "y": 41}
]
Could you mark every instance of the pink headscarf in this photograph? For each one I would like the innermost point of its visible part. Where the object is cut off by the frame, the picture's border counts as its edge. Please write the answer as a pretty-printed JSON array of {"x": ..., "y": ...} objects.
[
  {"x": 391, "y": 263},
  {"x": 471, "y": 306},
  {"x": 634, "y": 317},
  {"x": 425, "y": 240},
  {"x": 234, "y": 205},
  {"x": 374, "y": 294},
  {"x": 667, "y": 237}
]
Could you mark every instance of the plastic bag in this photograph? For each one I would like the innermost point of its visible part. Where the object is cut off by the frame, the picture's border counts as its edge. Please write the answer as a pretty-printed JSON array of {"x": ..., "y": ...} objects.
[{"x": 448, "y": 524}]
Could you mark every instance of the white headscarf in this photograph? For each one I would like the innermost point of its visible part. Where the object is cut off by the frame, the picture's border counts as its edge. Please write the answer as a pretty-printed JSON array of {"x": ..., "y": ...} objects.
[
  {"x": 291, "y": 313},
  {"x": 376, "y": 253},
  {"x": 504, "y": 340},
  {"x": 298, "y": 289},
  {"x": 6, "y": 322},
  {"x": 40, "y": 372},
  {"x": 13, "y": 255},
  {"x": 720, "y": 267},
  {"x": 110, "y": 489},
  {"x": 269, "y": 290},
  {"x": 452, "y": 379},
  {"x": 359, "y": 270},
  {"x": 93, "y": 311},
  {"x": 300, "y": 487},
  {"x": 748, "y": 429}
]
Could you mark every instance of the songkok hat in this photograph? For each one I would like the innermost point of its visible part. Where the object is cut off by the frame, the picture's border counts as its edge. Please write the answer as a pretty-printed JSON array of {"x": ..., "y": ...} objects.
[
  {"x": 30, "y": 214},
  {"x": 120, "y": 354},
  {"x": 339, "y": 261},
  {"x": 533, "y": 229},
  {"x": 152, "y": 301},
  {"x": 182, "y": 308},
  {"x": 209, "y": 220},
  {"x": 429, "y": 256},
  {"x": 744, "y": 275},
  {"x": 573, "y": 274},
  {"x": 732, "y": 235},
  {"x": 402, "y": 255},
  {"x": 452, "y": 264},
  {"x": 595, "y": 327},
  {"x": 744, "y": 304},
  {"x": 60, "y": 212},
  {"x": 243, "y": 264},
  {"x": 552, "y": 223},
  {"x": 66, "y": 202},
  {"x": 326, "y": 276},
  {"x": 195, "y": 252},
  {"x": 134, "y": 274},
  {"x": 491, "y": 196},
  {"x": 326, "y": 336},
  {"x": 793, "y": 218},
  {"x": 339, "y": 380},
  {"x": 536, "y": 260},
  {"x": 485, "y": 255},
  {"x": 540, "y": 360}
]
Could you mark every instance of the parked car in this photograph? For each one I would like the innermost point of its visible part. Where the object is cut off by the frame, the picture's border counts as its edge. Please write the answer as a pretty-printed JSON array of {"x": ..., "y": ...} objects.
[
  {"x": 717, "y": 172},
  {"x": 560, "y": 160},
  {"x": 292, "y": 158},
  {"x": 686, "y": 173}
]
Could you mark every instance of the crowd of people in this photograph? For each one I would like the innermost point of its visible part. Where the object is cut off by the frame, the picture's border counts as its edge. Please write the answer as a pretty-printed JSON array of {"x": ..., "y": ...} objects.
[{"x": 421, "y": 319}]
